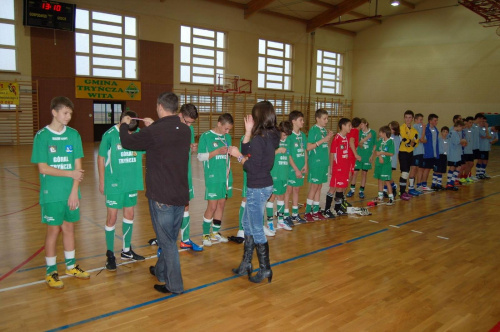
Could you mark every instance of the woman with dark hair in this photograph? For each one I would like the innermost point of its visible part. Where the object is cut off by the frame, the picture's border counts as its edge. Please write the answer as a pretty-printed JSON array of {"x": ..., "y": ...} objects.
[{"x": 257, "y": 156}]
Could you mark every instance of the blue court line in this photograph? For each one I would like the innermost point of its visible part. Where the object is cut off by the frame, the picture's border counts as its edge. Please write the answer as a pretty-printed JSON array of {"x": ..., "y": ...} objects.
[{"x": 11, "y": 172}]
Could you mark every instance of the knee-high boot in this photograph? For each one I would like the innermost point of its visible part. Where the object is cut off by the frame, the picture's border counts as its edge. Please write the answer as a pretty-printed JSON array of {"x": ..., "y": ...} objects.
[
  {"x": 246, "y": 263},
  {"x": 264, "y": 264}
]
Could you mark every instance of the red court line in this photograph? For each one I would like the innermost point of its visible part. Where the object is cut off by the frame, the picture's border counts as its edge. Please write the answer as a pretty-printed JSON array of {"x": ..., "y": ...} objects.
[
  {"x": 29, "y": 207},
  {"x": 496, "y": 328},
  {"x": 23, "y": 263},
  {"x": 6, "y": 177}
]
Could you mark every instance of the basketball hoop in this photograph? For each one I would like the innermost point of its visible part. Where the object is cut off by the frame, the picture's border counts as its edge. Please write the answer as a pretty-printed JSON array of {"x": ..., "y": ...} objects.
[{"x": 225, "y": 83}]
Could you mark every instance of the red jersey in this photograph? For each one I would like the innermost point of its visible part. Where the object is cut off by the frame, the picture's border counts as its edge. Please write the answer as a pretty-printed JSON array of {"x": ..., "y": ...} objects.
[
  {"x": 354, "y": 133},
  {"x": 340, "y": 146}
]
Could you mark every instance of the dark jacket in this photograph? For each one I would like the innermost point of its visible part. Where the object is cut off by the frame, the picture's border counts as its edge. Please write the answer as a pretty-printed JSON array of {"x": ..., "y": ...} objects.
[
  {"x": 166, "y": 142},
  {"x": 261, "y": 159}
]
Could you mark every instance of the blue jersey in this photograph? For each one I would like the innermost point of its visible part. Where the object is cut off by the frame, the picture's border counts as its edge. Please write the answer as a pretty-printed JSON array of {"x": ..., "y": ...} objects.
[
  {"x": 443, "y": 145},
  {"x": 494, "y": 136},
  {"x": 397, "y": 143},
  {"x": 454, "y": 147},
  {"x": 475, "y": 137},
  {"x": 468, "y": 136},
  {"x": 484, "y": 143},
  {"x": 419, "y": 149}
]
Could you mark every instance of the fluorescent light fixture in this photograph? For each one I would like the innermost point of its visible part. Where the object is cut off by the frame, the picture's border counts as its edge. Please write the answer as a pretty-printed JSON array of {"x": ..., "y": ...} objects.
[{"x": 394, "y": 3}]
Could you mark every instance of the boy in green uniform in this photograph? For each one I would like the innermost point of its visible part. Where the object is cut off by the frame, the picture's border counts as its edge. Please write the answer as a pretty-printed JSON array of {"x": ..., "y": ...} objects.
[
  {"x": 120, "y": 177},
  {"x": 213, "y": 151},
  {"x": 366, "y": 147},
  {"x": 298, "y": 166},
  {"x": 280, "y": 179},
  {"x": 319, "y": 161},
  {"x": 384, "y": 151},
  {"x": 57, "y": 149}
]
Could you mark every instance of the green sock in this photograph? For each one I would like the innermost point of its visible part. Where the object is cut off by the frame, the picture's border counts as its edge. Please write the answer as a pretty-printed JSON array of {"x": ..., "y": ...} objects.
[
  {"x": 309, "y": 203},
  {"x": 110, "y": 237},
  {"x": 216, "y": 226},
  {"x": 51, "y": 266},
  {"x": 295, "y": 210},
  {"x": 361, "y": 189},
  {"x": 269, "y": 209},
  {"x": 185, "y": 227},
  {"x": 315, "y": 207},
  {"x": 127, "y": 227},
  {"x": 207, "y": 223},
  {"x": 280, "y": 205},
  {"x": 69, "y": 259},
  {"x": 240, "y": 217},
  {"x": 353, "y": 187}
]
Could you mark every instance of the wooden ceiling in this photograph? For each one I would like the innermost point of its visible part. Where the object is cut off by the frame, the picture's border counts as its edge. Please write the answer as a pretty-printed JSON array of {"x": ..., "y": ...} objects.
[{"x": 327, "y": 14}]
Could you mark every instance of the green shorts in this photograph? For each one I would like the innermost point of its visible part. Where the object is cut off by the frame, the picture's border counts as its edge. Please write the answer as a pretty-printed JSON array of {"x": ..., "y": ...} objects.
[
  {"x": 363, "y": 165},
  {"x": 279, "y": 187},
  {"x": 191, "y": 192},
  {"x": 293, "y": 181},
  {"x": 216, "y": 191},
  {"x": 119, "y": 201},
  {"x": 318, "y": 175},
  {"x": 383, "y": 172},
  {"x": 53, "y": 214}
]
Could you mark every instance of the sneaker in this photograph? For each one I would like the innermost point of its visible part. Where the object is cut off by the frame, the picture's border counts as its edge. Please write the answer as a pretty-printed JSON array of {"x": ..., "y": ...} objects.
[
  {"x": 341, "y": 212},
  {"x": 190, "y": 245},
  {"x": 309, "y": 217},
  {"x": 462, "y": 180},
  {"x": 469, "y": 180},
  {"x": 386, "y": 195},
  {"x": 390, "y": 202},
  {"x": 282, "y": 225},
  {"x": 241, "y": 233},
  {"x": 153, "y": 242},
  {"x": 328, "y": 214},
  {"x": 425, "y": 188},
  {"x": 268, "y": 232},
  {"x": 206, "y": 241},
  {"x": 216, "y": 236},
  {"x": 110, "y": 261},
  {"x": 378, "y": 200},
  {"x": 486, "y": 176},
  {"x": 288, "y": 221},
  {"x": 474, "y": 178},
  {"x": 433, "y": 187},
  {"x": 451, "y": 187},
  {"x": 132, "y": 255},
  {"x": 350, "y": 193},
  {"x": 318, "y": 216},
  {"x": 480, "y": 177},
  {"x": 439, "y": 187},
  {"x": 53, "y": 281},
  {"x": 298, "y": 219},
  {"x": 362, "y": 194},
  {"x": 405, "y": 196},
  {"x": 414, "y": 192},
  {"x": 270, "y": 225},
  {"x": 346, "y": 204},
  {"x": 78, "y": 273}
]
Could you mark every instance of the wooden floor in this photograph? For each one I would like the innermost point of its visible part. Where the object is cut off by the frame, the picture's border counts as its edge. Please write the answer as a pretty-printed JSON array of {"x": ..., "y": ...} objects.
[{"x": 431, "y": 264}]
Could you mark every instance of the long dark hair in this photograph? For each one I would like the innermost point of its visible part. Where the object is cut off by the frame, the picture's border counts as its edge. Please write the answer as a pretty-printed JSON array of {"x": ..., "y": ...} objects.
[{"x": 264, "y": 118}]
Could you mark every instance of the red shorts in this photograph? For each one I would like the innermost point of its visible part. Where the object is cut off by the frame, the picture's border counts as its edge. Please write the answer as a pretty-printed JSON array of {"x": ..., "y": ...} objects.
[{"x": 340, "y": 177}]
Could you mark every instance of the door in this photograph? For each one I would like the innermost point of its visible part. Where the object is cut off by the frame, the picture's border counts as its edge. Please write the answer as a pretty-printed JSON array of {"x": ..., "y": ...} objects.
[{"x": 106, "y": 115}]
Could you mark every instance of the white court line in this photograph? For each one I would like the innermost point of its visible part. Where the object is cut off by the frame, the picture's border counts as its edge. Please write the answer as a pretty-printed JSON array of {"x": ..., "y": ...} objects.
[
  {"x": 414, "y": 231},
  {"x": 442, "y": 237},
  {"x": 394, "y": 226},
  {"x": 374, "y": 221}
]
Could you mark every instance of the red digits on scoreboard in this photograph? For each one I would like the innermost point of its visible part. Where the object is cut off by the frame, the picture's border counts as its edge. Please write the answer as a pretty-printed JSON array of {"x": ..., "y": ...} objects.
[
  {"x": 57, "y": 8},
  {"x": 46, "y": 6}
]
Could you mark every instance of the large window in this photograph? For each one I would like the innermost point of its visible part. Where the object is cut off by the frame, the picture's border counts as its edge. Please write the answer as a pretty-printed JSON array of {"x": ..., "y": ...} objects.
[
  {"x": 275, "y": 65},
  {"x": 329, "y": 72},
  {"x": 7, "y": 36},
  {"x": 203, "y": 54},
  {"x": 106, "y": 44}
]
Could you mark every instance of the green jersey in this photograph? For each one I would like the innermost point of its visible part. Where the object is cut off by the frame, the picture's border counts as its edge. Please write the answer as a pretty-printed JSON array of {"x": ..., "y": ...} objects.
[
  {"x": 385, "y": 146},
  {"x": 58, "y": 150},
  {"x": 281, "y": 164},
  {"x": 365, "y": 150},
  {"x": 190, "y": 179},
  {"x": 244, "y": 172},
  {"x": 297, "y": 148},
  {"x": 122, "y": 167},
  {"x": 319, "y": 156},
  {"x": 216, "y": 169}
]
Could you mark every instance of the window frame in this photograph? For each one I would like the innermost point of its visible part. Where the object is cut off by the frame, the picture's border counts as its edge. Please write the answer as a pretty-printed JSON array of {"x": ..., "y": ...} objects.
[
  {"x": 338, "y": 81},
  {"x": 266, "y": 57},
  {"x": 12, "y": 22}
]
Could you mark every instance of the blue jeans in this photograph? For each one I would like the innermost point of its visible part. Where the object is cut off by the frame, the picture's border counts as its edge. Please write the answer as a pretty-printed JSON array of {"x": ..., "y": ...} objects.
[
  {"x": 167, "y": 221},
  {"x": 253, "y": 216}
]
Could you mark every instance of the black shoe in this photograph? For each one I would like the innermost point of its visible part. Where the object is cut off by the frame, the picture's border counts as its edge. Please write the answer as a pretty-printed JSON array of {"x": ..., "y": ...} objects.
[
  {"x": 264, "y": 264},
  {"x": 346, "y": 204},
  {"x": 153, "y": 242},
  {"x": 328, "y": 214},
  {"x": 341, "y": 211},
  {"x": 132, "y": 255},
  {"x": 152, "y": 270},
  {"x": 288, "y": 221},
  {"x": 298, "y": 219},
  {"x": 110, "y": 261},
  {"x": 162, "y": 289},
  {"x": 246, "y": 263}
]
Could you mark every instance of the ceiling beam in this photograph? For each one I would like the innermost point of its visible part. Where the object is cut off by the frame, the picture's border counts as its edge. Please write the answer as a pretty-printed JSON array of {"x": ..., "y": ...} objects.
[
  {"x": 352, "y": 13},
  {"x": 229, "y": 3},
  {"x": 406, "y": 4},
  {"x": 332, "y": 13},
  {"x": 254, "y": 6}
]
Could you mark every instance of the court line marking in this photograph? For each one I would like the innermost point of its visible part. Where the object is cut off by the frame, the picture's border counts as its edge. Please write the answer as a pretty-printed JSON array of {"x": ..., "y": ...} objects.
[
  {"x": 394, "y": 226},
  {"x": 374, "y": 221},
  {"x": 495, "y": 328},
  {"x": 139, "y": 305},
  {"x": 23, "y": 263},
  {"x": 419, "y": 232},
  {"x": 442, "y": 237}
]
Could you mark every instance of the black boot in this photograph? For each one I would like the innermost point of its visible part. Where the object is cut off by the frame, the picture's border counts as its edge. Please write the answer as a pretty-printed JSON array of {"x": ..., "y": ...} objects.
[
  {"x": 264, "y": 264},
  {"x": 246, "y": 263}
]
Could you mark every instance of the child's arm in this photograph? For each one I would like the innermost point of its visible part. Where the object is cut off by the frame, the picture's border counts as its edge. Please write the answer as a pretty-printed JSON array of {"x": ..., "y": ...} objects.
[
  {"x": 100, "y": 168},
  {"x": 312, "y": 146},
  {"x": 298, "y": 173},
  {"x": 367, "y": 137},
  {"x": 73, "y": 201},
  {"x": 304, "y": 169},
  {"x": 373, "y": 154},
  {"x": 279, "y": 150},
  {"x": 353, "y": 148},
  {"x": 423, "y": 139},
  {"x": 76, "y": 174}
]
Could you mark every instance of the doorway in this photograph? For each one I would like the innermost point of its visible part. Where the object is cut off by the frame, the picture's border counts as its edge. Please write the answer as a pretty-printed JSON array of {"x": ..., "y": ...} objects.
[{"x": 106, "y": 115}]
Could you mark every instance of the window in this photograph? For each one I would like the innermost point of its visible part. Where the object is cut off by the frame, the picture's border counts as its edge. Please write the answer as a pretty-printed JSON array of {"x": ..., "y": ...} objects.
[
  {"x": 280, "y": 106},
  {"x": 7, "y": 36},
  {"x": 275, "y": 65},
  {"x": 203, "y": 54},
  {"x": 329, "y": 72},
  {"x": 106, "y": 113},
  {"x": 105, "y": 45},
  {"x": 204, "y": 104}
]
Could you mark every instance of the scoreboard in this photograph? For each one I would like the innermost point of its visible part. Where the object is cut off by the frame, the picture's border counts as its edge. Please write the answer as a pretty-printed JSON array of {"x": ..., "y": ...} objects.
[{"x": 49, "y": 14}]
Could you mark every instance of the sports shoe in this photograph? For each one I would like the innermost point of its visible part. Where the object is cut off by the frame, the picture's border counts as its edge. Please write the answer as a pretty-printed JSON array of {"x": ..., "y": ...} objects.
[
  {"x": 469, "y": 180},
  {"x": 390, "y": 202},
  {"x": 346, "y": 204},
  {"x": 110, "y": 261},
  {"x": 414, "y": 192},
  {"x": 457, "y": 183},
  {"x": 53, "y": 281},
  {"x": 190, "y": 245},
  {"x": 132, "y": 255},
  {"x": 350, "y": 193},
  {"x": 288, "y": 221},
  {"x": 405, "y": 196},
  {"x": 480, "y": 177},
  {"x": 153, "y": 242},
  {"x": 486, "y": 176},
  {"x": 362, "y": 194},
  {"x": 309, "y": 217},
  {"x": 268, "y": 232},
  {"x": 439, "y": 187},
  {"x": 298, "y": 219},
  {"x": 282, "y": 225},
  {"x": 206, "y": 241},
  {"x": 216, "y": 236},
  {"x": 270, "y": 225},
  {"x": 433, "y": 187},
  {"x": 451, "y": 187},
  {"x": 328, "y": 214},
  {"x": 462, "y": 180},
  {"x": 474, "y": 178},
  {"x": 241, "y": 233},
  {"x": 378, "y": 199},
  {"x": 425, "y": 188},
  {"x": 78, "y": 273},
  {"x": 318, "y": 216},
  {"x": 341, "y": 212}
]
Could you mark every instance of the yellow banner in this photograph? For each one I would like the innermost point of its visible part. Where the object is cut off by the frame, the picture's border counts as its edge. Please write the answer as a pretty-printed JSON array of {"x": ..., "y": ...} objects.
[
  {"x": 108, "y": 89},
  {"x": 9, "y": 93}
]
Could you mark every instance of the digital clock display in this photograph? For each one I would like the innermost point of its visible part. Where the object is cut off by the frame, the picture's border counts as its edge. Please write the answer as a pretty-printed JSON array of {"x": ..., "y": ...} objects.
[{"x": 49, "y": 14}]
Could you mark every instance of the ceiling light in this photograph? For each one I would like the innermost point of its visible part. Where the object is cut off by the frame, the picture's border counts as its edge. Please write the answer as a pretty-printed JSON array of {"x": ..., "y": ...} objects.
[{"x": 394, "y": 3}]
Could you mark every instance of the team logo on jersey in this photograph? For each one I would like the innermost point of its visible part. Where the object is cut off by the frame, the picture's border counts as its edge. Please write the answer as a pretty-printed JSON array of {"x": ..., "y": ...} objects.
[
  {"x": 69, "y": 148},
  {"x": 296, "y": 145},
  {"x": 134, "y": 154},
  {"x": 215, "y": 144},
  {"x": 342, "y": 147},
  {"x": 52, "y": 148},
  {"x": 119, "y": 146}
]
